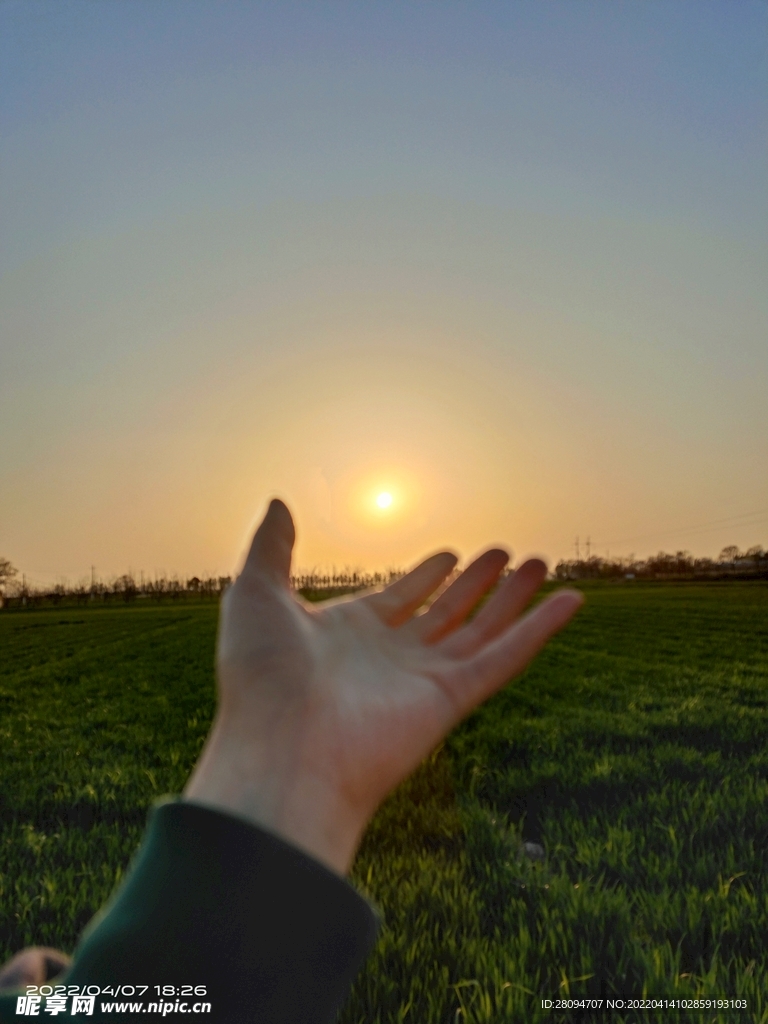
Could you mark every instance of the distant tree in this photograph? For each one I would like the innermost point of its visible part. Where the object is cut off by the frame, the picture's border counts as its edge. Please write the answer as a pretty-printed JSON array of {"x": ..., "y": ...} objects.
[
  {"x": 7, "y": 572},
  {"x": 663, "y": 563},
  {"x": 756, "y": 553},
  {"x": 126, "y": 585},
  {"x": 728, "y": 554},
  {"x": 684, "y": 562}
]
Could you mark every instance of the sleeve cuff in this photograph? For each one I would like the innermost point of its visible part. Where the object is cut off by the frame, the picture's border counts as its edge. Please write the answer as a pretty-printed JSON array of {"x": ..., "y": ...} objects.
[{"x": 212, "y": 900}]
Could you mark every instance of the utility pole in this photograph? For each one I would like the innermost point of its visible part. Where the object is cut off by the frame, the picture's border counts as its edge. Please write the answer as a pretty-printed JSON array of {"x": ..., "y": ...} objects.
[
  {"x": 577, "y": 549},
  {"x": 93, "y": 577},
  {"x": 587, "y": 548}
]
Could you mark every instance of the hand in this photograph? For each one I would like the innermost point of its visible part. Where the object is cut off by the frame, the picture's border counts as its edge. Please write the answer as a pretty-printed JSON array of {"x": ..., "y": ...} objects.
[
  {"x": 323, "y": 710},
  {"x": 34, "y": 965}
]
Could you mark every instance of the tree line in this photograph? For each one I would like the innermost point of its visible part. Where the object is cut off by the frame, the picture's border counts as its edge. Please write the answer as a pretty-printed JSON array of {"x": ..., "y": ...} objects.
[
  {"x": 731, "y": 563},
  {"x": 119, "y": 589},
  {"x": 15, "y": 592}
]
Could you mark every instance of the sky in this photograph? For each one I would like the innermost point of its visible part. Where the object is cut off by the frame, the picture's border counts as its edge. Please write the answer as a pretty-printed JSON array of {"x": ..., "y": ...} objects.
[{"x": 503, "y": 262}]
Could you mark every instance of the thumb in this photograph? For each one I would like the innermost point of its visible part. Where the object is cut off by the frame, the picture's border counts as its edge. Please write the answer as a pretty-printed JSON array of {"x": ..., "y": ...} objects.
[{"x": 272, "y": 544}]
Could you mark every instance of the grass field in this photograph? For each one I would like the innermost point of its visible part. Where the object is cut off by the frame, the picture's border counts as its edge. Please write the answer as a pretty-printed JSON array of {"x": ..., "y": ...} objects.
[{"x": 635, "y": 751}]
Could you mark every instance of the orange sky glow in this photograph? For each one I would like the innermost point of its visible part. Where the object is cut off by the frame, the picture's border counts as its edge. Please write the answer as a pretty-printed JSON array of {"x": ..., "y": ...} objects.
[{"x": 509, "y": 271}]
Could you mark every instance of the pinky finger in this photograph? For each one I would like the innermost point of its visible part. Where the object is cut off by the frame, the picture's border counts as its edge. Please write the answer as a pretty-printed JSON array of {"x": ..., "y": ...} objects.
[{"x": 472, "y": 680}]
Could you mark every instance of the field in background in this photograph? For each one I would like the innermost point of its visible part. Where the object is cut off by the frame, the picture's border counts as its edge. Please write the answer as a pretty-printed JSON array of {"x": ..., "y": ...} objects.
[{"x": 635, "y": 751}]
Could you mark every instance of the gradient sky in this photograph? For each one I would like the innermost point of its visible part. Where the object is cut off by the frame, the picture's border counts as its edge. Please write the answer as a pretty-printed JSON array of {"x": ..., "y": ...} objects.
[{"x": 506, "y": 261}]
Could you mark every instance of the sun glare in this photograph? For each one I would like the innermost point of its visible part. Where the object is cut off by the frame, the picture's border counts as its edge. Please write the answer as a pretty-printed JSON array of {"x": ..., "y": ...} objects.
[{"x": 382, "y": 502}]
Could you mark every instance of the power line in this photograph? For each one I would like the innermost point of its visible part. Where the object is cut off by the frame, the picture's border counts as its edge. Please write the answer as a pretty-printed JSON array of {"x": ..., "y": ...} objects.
[{"x": 762, "y": 515}]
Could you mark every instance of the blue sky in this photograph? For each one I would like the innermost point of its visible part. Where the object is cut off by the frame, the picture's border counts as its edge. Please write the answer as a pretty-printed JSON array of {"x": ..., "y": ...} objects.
[{"x": 533, "y": 234}]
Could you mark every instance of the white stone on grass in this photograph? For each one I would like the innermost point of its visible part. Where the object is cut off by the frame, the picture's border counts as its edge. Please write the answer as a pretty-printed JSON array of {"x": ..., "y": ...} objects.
[{"x": 532, "y": 851}]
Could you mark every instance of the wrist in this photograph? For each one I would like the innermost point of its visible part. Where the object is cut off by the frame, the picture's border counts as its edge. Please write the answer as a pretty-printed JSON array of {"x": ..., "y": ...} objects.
[{"x": 265, "y": 784}]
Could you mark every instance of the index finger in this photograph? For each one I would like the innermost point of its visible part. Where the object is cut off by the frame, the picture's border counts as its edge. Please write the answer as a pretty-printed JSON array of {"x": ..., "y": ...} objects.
[{"x": 397, "y": 602}]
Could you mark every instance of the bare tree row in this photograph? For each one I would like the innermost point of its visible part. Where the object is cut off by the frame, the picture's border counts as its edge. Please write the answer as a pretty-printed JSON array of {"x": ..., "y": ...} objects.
[
  {"x": 15, "y": 592},
  {"x": 730, "y": 563}
]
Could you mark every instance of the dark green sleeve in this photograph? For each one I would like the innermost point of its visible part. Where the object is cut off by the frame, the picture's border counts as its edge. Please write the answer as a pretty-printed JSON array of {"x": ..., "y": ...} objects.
[{"x": 211, "y": 900}]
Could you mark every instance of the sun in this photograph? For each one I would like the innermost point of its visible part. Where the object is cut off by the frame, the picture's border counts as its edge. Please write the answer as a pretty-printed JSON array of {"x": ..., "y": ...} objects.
[{"x": 384, "y": 500}]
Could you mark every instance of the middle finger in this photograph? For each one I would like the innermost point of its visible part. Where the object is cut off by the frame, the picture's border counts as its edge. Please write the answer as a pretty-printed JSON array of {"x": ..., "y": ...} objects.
[
  {"x": 500, "y": 612},
  {"x": 454, "y": 604}
]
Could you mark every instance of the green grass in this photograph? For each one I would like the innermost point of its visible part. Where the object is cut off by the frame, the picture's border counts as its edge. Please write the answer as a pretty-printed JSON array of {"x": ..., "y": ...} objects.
[
  {"x": 634, "y": 750},
  {"x": 100, "y": 713}
]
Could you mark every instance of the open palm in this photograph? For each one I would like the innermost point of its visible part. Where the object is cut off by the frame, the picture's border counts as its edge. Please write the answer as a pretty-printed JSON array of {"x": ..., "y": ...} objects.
[{"x": 324, "y": 709}]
